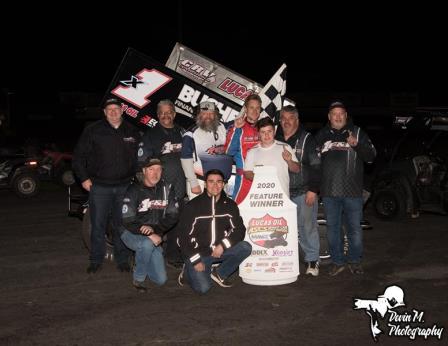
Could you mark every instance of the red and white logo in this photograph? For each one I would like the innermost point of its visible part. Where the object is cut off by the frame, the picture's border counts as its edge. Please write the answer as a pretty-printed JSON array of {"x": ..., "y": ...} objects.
[
  {"x": 139, "y": 88},
  {"x": 268, "y": 231}
]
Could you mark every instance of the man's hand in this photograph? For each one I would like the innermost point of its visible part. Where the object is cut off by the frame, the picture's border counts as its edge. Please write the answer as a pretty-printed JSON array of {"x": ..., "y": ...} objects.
[
  {"x": 287, "y": 156},
  {"x": 351, "y": 140},
  {"x": 199, "y": 267},
  {"x": 156, "y": 239},
  {"x": 239, "y": 122},
  {"x": 87, "y": 184},
  {"x": 146, "y": 230},
  {"x": 196, "y": 190},
  {"x": 292, "y": 165},
  {"x": 218, "y": 251},
  {"x": 310, "y": 198},
  {"x": 249, "y": 175}
]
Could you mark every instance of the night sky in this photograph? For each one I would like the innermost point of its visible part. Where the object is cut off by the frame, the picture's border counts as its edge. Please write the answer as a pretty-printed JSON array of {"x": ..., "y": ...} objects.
[{"x": 375, "y": 49}]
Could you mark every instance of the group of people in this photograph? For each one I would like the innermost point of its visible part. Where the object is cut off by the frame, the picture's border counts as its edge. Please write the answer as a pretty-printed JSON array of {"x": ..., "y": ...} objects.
[{"x": 205, "y": 232}]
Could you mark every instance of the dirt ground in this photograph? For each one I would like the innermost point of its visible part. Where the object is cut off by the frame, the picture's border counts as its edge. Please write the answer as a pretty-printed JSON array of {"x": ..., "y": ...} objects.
[{"x": 48, "y": 299}]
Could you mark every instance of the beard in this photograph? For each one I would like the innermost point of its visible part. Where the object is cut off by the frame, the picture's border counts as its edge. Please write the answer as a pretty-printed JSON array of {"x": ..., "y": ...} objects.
[{"x": 209, "y": 127}]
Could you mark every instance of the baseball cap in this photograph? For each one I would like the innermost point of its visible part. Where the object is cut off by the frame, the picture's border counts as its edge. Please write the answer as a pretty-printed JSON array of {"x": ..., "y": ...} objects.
[
  {"x": 112, "y": 102},
  {"x": 152, "y": 162},
  {"x": 207, "y": 106},
  {"x": 336, "y": 104}
]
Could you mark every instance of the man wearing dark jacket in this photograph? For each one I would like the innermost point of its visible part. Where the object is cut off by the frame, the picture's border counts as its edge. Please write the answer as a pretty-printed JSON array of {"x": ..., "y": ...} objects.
[
  {"x": 149, "y": 210},
  {"x": 344, "y": 148},
  {"x": 105, "y": 160},
  {"x": 210, "y": 231},
  {"x": 304, "y": 185},
  {"x": 164, "y": 142}
]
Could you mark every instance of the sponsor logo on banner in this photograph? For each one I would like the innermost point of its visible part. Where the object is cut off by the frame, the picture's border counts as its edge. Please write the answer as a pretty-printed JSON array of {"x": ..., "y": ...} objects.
[
  {"x": 287, "y": 264},
  {"x": 197, "y": 71},
  {"x": 268, "y": 232},
  {"x": 285, "y": 270},
  {"x": 385, "y": 319},
  {"x": 190, "y": 97},
  {"x": 234, "y": 88},
  {"x": 216, "y": 77},
  {"x": 141, "y": 82},
  {"x": 260, "y": 253},
  {"x": 282, "y": 253},
  {"x": 138, "y": 93}
]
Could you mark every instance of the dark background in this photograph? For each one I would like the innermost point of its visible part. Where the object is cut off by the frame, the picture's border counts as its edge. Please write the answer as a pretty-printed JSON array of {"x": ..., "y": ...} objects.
[{"x": 57, "y": 62}]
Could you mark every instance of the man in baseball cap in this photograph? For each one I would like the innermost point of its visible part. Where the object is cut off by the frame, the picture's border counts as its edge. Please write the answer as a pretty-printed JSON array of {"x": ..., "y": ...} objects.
[
  {"x": 106, "y": 174},
  {"x": 208, "y": 106},
  {"x": 151, "y": 162},
  {"x": 344, "y": 149},
  {"x": 336, "y": 104},
  {"x": 149, "y": 211},
  {"x": 111, "y": 101}
]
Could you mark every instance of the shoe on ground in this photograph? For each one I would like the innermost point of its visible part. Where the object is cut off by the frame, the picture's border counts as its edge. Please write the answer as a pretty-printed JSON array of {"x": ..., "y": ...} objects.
[
  {"x": 336, "y": 269},
  {"x": 124, "y": 267},
  {"x": 313, "y": 268},
  {"x": 139, "y": 286},
  {"x": 181, "y": 278},
  {"x": 356, "y": 268},
  {"x": 93, "y": 268},
  {"x": 219, "y": 280}
]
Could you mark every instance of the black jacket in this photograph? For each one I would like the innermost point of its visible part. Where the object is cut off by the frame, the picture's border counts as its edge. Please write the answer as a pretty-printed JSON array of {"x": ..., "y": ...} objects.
[
  {"x": 343, "y": 165},
  {"x": 204, "y": 224},
  {"x": 150, "y": 206},
  {"x": 107, "y": 155},
  {"x": 166, "y": 145},
  {"x": 305, "y": 147}
]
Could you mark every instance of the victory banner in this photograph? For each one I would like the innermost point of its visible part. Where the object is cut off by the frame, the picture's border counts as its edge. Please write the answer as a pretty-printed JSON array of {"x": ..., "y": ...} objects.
[
  {"x": 270, "y": 218},
  {"x": 141, "y": 82}
]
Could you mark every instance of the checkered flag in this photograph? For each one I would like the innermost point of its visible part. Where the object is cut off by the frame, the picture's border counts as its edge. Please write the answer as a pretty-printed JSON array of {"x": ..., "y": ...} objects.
[{"x": 273, "y": 94}]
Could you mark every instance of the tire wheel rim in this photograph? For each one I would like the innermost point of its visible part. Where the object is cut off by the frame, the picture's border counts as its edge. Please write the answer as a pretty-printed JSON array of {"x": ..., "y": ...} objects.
[
  {"x": 27, "y": 186},
  {"x": 387, "y": 206}
]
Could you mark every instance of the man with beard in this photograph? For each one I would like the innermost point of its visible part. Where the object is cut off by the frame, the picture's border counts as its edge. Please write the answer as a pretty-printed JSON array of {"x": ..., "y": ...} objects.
[
  {"x": 241, "y": 137},
  {"x": 203, "y": 149},
  {"x": 164, "y": 142}
]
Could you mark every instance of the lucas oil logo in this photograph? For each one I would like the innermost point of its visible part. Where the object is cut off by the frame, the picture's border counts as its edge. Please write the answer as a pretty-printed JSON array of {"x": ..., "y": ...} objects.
[{"x": 268, "y": 232}]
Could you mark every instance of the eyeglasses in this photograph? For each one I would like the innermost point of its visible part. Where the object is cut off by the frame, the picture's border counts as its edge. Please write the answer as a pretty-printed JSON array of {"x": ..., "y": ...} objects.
[{"x": 165, "y": 113}]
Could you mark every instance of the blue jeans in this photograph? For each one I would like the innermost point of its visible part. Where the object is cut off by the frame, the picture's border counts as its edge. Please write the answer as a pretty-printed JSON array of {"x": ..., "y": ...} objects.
[
  {"x": 347, "y": 211},
  {"x": 149, "y": 259},
  {"x": 106, "y": 202},
  {"x": 308, "y": 228},
  {"x": 201, "y": 282}
]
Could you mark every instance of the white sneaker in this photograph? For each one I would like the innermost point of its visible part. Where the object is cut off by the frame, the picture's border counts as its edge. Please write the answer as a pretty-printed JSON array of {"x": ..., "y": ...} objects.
[{"x": 313, "y": 268}]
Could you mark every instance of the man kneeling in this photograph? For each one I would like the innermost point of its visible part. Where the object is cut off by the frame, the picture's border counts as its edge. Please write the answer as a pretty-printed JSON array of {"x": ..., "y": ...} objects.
[
  {"x": 211, "y": 231},
  {"x": 149, "y": 210}
]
